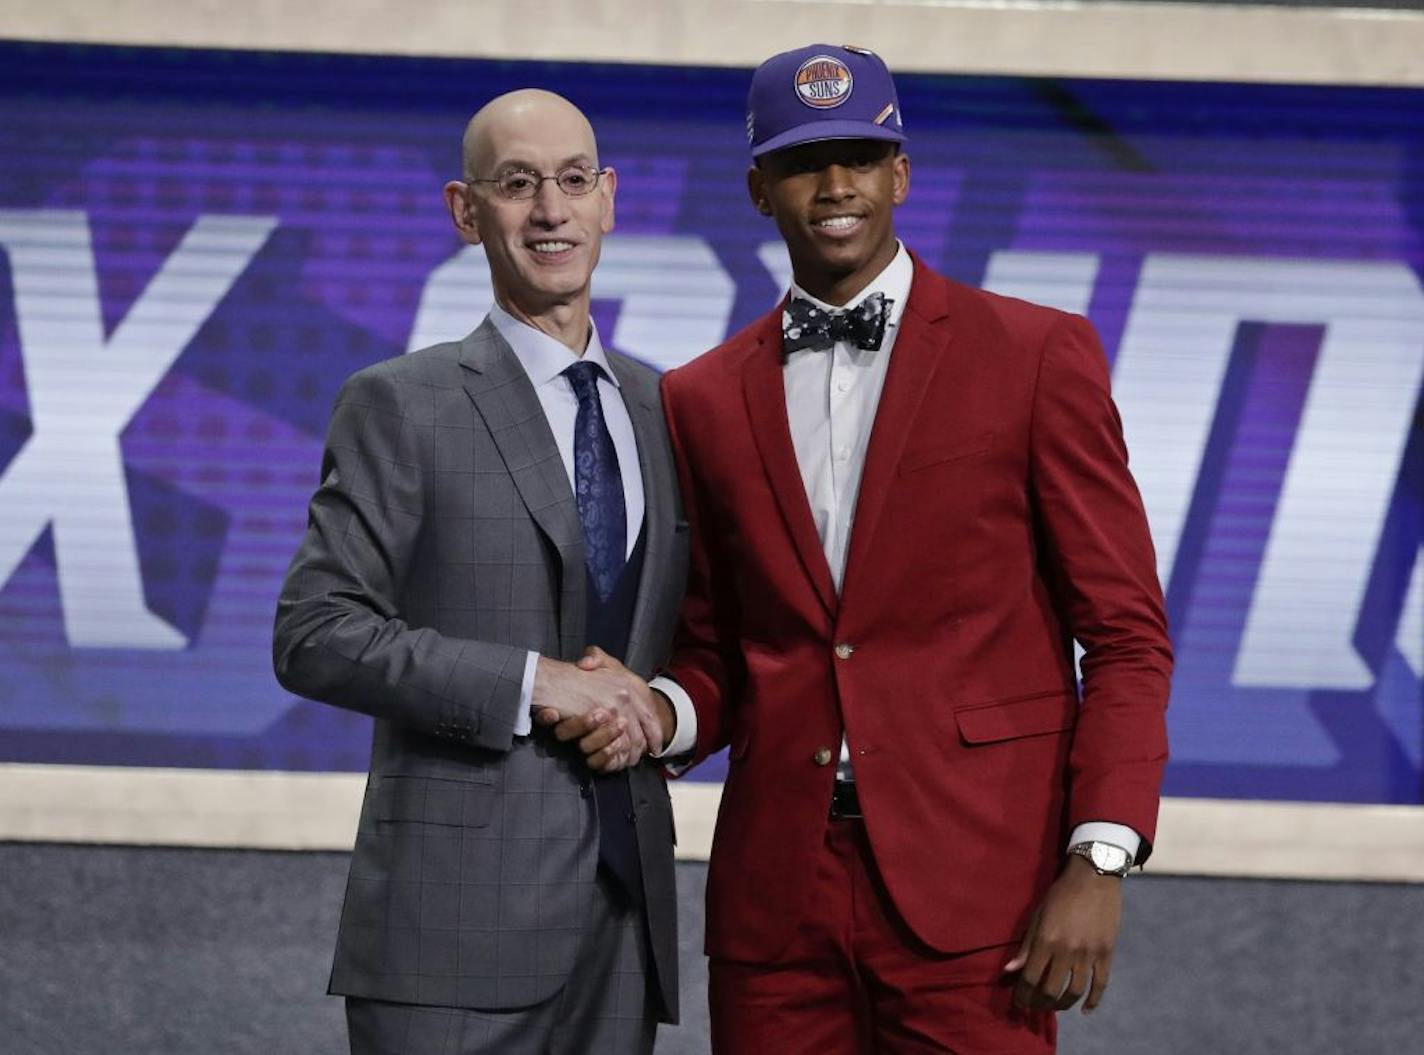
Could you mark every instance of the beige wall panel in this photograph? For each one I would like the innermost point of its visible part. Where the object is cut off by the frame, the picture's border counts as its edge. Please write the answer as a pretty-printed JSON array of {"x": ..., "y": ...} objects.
[
  {"x": 1049, "y": 37},
  {"x": 317, "y": 811}
]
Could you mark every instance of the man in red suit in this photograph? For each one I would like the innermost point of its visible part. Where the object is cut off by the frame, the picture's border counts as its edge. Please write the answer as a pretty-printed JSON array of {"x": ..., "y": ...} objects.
[{"x": 907, "y": 499}]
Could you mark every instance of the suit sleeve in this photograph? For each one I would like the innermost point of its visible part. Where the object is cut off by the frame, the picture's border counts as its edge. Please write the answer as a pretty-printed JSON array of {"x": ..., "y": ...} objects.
[
  {"x": 1101, "y": 561},
  {"x": 706, "y": 659},
  {"x": 339, "y": 636}
]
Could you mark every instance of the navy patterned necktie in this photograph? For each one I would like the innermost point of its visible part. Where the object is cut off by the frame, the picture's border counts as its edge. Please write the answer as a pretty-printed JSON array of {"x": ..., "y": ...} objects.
[
  {"x": 805, "y": 325},
  {"x": 598, "y": 485}
]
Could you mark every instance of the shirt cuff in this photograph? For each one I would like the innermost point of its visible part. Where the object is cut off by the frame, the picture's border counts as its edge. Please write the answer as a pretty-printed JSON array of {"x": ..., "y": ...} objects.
[
  {"x": 1105, "y": 831},
  {"x": 524, "y": 720},
  {"x": 684, "y": 719}
]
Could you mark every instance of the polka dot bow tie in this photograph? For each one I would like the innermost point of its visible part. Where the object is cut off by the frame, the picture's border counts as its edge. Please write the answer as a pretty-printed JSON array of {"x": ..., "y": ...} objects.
[{"x": 804, "y": 325}]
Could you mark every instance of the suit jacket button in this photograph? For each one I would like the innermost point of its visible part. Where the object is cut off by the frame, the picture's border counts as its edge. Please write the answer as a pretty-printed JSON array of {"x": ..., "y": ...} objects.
[
  {"x": 585, "y": 788},
  {"x": 822, "y": 757},
  {"x": 844, "y": 650}
]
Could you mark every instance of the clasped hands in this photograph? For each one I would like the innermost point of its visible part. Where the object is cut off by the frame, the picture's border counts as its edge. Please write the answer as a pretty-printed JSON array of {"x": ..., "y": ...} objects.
[{"x": 610, "y": 712}]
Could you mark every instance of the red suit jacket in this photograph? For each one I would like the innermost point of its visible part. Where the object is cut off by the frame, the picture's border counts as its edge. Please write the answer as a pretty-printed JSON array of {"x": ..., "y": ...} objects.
[{"x": 996, "y": 521}]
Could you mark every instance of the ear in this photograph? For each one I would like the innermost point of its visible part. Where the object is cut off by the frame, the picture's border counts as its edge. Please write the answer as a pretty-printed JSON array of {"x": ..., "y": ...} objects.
[
  {"x": 756, "y": 188},
  {"x": 901, "y": 174},
  {"x": 462, "y": 211},
  {"x": 607, "y": 185}
]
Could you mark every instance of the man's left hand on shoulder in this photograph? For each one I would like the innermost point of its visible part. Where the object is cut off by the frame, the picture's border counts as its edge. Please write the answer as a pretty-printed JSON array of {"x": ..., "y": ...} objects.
[{"x": 1071, "y": 937}]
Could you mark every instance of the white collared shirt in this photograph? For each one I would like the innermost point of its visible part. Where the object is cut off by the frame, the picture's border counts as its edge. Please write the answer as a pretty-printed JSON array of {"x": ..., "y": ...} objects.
[
  {"x": 831, "y": 400},
  {"x": 545, "y": 359}
]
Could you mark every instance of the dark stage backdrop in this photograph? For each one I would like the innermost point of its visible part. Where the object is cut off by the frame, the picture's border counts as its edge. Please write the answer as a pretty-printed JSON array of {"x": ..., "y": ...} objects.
[{"x": 196, "y": 247}]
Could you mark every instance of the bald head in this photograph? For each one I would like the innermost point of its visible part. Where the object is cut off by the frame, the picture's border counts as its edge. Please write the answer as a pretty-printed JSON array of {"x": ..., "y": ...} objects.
[
  {"x": 541, "y": 236},
  {"x": 513, "y": 118}
]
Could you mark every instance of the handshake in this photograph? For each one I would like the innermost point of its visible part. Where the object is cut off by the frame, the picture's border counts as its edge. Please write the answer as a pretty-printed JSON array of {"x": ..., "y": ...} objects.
[{"x": 608, "y": 710}]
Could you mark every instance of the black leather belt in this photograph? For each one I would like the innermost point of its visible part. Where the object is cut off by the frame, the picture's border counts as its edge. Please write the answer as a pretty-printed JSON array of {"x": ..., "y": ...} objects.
[{"x": 845, "y": 801}]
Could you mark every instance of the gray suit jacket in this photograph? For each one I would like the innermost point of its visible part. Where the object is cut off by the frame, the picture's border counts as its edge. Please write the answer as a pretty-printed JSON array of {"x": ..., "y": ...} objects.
[{"x": 443, "y": 543}]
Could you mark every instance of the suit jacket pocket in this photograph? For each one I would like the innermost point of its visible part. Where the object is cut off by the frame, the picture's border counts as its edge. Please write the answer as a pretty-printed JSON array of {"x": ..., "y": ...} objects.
[
  {"x": 944, "y": 454},
  {"x": 430, "y": 800},
  {"x": 1018, "y": 716}
]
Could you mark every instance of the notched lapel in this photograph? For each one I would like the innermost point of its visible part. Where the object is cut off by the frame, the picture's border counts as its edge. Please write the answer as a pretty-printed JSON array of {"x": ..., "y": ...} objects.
[
  {"x": 504, "y": 397},
  {"x": 765, "y": 393}
]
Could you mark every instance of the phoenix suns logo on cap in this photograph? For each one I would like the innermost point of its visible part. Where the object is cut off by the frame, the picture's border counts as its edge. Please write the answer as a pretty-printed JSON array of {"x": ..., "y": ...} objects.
[{"x": 823, "y": 82}]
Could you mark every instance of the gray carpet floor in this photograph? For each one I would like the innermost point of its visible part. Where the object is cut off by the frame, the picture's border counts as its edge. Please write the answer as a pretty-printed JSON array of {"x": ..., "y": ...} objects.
[{"x": 177, "y": 952}]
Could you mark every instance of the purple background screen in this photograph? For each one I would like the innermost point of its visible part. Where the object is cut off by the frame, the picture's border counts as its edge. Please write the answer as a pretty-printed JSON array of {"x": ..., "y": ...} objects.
[{"x": 197, "y": 247}]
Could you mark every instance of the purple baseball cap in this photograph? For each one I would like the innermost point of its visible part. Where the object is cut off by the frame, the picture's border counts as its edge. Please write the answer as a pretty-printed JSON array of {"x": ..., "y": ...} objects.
[{"x": 821, "y": 92}]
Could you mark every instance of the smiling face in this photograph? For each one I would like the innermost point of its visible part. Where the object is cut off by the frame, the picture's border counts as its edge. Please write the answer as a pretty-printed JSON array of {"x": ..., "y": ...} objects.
[
  {"x": 834, "y": 203},
  {"x": 541, "y": 250}
]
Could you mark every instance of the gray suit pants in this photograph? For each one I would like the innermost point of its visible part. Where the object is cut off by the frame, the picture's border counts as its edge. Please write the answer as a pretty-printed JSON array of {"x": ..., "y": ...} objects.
[{"x": 605, "y": 1008}]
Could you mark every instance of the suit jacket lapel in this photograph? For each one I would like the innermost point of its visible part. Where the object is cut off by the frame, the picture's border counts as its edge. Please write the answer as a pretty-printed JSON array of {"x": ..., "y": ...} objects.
[
  {"x": 918, "y": 352},
  {"x": 505, "y": 398},
  {"x": 658, "y": 482},
  {"x": 765, "y": 393}
]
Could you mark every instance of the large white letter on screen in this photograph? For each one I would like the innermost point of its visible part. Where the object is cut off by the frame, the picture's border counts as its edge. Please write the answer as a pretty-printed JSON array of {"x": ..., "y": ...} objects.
[
  {"x": 1344, "y": 463},
  {"x": 457, "y": 295},
  {"x": 83, "y": 390},
  {"x": 1060, "y": 280},
  {"x": 676, "y": 296}
]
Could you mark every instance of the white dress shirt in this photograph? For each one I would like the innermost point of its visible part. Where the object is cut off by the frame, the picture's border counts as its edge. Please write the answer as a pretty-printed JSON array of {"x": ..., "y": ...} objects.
[
  {"x": 831, "y": 399},
  {"x": 545, "y": 359}
]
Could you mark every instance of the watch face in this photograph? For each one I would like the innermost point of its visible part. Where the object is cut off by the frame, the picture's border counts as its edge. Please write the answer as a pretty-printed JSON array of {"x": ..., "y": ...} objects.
[{"x": 1108, "y": 858}]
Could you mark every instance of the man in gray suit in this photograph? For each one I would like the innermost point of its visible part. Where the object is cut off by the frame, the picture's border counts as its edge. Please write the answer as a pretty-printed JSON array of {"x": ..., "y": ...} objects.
[{"x": 488, "y": 509}]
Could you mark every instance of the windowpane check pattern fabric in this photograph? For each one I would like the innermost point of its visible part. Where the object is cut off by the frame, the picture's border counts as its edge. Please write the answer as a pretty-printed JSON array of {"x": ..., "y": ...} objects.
[
  {"x": 602, "y": 1010},
  {"x": 443, "y": 546},
  {"x": 598, "y": 484}
]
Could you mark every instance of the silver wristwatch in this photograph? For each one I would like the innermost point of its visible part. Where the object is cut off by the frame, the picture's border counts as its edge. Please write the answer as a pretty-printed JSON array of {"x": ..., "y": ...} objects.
[{"x": 1107, "y": 859}]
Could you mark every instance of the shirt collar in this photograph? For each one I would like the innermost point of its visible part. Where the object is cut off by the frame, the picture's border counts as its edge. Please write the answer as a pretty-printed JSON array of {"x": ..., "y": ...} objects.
[
  {"x": 894, "y": 282},
  {"x": 543, "y": 357}
]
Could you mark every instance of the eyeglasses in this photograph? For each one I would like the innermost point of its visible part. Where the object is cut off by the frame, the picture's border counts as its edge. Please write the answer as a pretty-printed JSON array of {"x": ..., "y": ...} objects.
[{"x": 521, "y": 184}]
